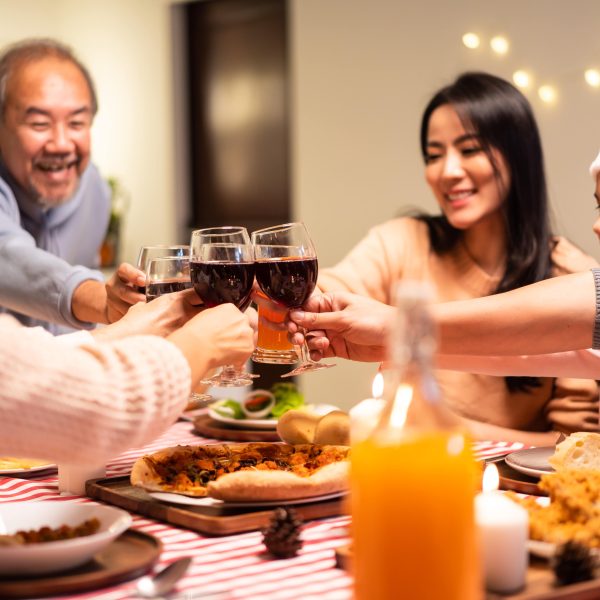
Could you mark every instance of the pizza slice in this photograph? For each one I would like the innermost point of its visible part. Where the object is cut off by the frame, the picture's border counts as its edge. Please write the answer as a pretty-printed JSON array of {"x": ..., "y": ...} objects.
[{"x": 245, "y": 472}]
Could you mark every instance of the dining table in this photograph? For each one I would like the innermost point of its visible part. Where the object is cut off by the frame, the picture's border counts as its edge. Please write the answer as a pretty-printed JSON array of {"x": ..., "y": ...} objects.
[{"x": 223, "y": 567}]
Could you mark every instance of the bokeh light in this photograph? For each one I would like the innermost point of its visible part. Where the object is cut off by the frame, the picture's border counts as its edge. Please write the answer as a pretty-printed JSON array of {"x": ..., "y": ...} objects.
[
  {"x": 547, "y": 94},
  {"x": 471, "y": 40},
  {"x": 521, "y": 79},
  {"x": 592, "y": 76},
  {"x": 499, "y": 44}
]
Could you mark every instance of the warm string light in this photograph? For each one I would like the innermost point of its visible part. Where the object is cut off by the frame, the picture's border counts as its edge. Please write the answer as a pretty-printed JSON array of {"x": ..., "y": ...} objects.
[
  {"x": 471, "y": 40},
  {"x": 499, "y": 44},
  {"x": 592, "y": 77},
  {"x": 521, "y": 78},
  {"x": 547, "y": 94}
]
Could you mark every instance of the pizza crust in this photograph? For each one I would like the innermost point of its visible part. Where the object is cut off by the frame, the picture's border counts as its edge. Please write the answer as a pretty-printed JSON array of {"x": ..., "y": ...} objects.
[
  {"x": 248, "y": 485},
  {"x": 145, "y": 476}
]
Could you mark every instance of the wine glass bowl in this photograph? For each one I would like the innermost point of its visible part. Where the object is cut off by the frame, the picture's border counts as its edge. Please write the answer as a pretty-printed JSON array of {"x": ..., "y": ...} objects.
[
  {"x": 148, "y": 253},
  {"x": 222, "y": 271},
  {"x": 167, "y": 275},
  {"x": 286, "y": 272}
]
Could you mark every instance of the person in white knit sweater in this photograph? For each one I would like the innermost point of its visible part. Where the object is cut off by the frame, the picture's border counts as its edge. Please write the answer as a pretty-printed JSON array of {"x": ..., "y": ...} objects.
[{"x": 85, "y": 398}]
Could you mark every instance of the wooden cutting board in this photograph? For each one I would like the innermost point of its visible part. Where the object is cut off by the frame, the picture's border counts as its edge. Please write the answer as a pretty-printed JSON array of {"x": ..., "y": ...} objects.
[
  {"x": 539, "y": 584},
  {"x": 207, "y": 427},
  {"x": 212, "y": 520}
]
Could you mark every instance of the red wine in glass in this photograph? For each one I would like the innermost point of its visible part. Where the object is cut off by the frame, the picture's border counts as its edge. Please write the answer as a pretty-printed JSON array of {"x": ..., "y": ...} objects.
[
  {"x": 286, "y": 271},
  {"x": 222, "y": 271},
  {"x": 287, "y": 281},
  {"x": 154, "y": 290},
  {"x": 220, "y": 282}
]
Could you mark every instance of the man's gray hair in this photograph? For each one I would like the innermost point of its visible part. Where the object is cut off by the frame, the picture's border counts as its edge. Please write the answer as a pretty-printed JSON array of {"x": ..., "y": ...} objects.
[{"x": 32, "y": 50}]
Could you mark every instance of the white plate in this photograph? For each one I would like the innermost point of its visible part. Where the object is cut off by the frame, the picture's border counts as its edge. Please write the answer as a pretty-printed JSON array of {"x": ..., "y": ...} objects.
[
  {"x": 51, "y": 557},
  {"x": 190, "y": 501},
  {"x": 319, "y": 409},
  {"x": 533, "y": 461},
  {"x": 20, "y": 471}
]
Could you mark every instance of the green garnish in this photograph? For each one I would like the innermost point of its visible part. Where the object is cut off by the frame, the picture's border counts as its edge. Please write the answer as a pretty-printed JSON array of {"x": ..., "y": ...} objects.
[
  {"x": 230, "y": 408},
  {"x": 287, "y": 397}
]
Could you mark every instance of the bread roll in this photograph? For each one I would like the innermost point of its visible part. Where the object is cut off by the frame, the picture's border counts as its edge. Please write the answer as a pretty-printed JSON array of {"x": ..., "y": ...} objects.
[
  {"x": 297, "y": 427},
  {"x": 579, "y": 451},
  {"x": 333, "y": 429}
]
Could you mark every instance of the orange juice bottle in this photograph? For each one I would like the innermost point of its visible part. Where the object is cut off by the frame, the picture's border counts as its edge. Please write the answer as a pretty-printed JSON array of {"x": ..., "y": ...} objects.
[{"x": 413, "y": 481}]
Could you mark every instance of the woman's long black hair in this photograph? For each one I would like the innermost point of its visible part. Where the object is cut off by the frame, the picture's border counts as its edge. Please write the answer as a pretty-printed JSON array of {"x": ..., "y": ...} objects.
[{"x": 502, "y": 119}]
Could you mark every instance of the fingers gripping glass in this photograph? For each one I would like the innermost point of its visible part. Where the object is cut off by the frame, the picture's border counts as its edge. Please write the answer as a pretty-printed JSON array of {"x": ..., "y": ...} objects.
[
  {"x": 286, "y": 271},
  {"x": 222, "y": 270}
]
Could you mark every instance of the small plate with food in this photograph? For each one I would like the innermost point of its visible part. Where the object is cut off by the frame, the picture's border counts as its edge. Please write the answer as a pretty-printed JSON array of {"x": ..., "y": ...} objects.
[
  {"x": 38, "y": 538},
  {"x": 261, "y": 409},
  {"x": 18, "y": 466},
  {"x": 255, "y": 472}
]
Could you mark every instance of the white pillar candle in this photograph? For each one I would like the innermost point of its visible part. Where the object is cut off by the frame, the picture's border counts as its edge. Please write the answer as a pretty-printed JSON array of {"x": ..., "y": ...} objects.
[
  {"x": 364, "y": 416},
  {"x": 503, "y": 529}
]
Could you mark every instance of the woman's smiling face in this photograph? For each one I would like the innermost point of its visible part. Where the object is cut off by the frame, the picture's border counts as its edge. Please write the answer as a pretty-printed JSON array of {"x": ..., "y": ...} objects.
[{"x": 460, "y": 173}]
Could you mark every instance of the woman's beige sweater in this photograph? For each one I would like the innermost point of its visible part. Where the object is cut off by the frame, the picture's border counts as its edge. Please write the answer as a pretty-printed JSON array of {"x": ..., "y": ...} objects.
[{"x": 400, "y": 249}]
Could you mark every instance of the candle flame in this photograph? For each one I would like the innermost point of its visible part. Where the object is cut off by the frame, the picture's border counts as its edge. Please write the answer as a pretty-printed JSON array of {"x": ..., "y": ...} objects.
[
  {"x": 491, "y": 479},
  {"x": 404, "y": 395},
  {"x": 377, "y": 387}
]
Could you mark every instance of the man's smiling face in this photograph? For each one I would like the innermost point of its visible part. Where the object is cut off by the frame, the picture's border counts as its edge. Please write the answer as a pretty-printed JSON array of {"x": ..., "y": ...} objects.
[{"x": 45, "y": 128}]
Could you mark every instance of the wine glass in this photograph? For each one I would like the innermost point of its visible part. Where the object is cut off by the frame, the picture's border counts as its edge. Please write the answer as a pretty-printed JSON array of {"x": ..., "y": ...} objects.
[
  {"x": 147, "y": 253},
  {"x": 166, "y": 275},
  {"x": 222, "y": 270},
  {"x": 286, "y": 271}
]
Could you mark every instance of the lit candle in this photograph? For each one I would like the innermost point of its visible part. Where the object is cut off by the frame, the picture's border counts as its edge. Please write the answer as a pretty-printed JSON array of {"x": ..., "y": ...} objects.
[
  {"x": 503, "y": 531},
  {"x": 364, "y": 416}
]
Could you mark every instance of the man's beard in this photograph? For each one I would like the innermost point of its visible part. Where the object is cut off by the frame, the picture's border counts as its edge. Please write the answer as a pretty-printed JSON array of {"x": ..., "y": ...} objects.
[{"x": 47, "y": 202}]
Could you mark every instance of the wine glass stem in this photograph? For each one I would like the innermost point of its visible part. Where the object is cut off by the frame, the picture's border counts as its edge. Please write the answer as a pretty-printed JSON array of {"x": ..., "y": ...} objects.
[
  {"x": 304, "y": 351},
  {"x": 230, "y": 373}
]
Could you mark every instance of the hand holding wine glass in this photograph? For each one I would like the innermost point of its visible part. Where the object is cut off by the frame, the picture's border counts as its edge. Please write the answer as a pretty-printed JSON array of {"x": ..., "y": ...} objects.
[
  {"x": 286, "y": 271},
  {"x": 222, "y": 271}
]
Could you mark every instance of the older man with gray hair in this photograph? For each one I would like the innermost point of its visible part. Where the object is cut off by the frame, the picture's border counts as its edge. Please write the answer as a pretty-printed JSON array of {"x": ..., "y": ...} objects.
[{"x": 54, "y": 205}]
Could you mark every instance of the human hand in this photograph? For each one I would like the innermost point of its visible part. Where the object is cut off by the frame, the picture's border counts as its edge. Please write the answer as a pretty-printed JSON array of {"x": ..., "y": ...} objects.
[
  {"x": 215, "y": 337},
  {"x": 344, "y": 325},
  {"x": 121, "y": 291},
  {"x": 160, "y": 317},
  {"x": 574, "y": 406}
]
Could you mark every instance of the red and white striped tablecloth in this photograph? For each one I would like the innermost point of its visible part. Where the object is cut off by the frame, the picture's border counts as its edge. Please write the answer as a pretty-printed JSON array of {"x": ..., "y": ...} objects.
[{"x": 230, "y": 567}]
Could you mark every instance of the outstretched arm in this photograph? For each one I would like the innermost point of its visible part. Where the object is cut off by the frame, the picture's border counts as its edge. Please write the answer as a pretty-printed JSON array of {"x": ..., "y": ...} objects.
[{"x": 549, "y": 316}]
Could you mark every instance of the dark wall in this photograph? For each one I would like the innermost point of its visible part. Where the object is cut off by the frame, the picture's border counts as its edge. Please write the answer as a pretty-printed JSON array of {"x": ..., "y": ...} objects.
[{"x": 239, "y": 114}]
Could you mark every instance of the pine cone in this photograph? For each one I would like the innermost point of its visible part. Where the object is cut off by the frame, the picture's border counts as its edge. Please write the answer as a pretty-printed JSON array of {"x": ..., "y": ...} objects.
[
  {"x": 282, "y": 537},
  {"x": 573, "y": 563}
]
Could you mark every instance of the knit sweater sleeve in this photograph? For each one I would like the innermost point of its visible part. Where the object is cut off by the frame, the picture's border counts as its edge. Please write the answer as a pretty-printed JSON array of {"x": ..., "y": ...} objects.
[
  {"x": 596, "y": 335},
  {"x": 89, "y": 403}
]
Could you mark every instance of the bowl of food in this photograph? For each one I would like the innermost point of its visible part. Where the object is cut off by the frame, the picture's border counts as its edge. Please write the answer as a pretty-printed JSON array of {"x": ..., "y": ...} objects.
[{"x": 37, "y": 538}]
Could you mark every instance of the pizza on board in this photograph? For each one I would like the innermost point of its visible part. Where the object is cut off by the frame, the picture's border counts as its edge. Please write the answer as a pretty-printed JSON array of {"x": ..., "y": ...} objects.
[{"x": 245, "y": 472}]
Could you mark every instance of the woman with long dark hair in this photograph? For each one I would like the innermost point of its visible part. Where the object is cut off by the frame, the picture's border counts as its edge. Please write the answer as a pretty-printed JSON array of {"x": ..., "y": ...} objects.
[{"x": 484, "y": 165}]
